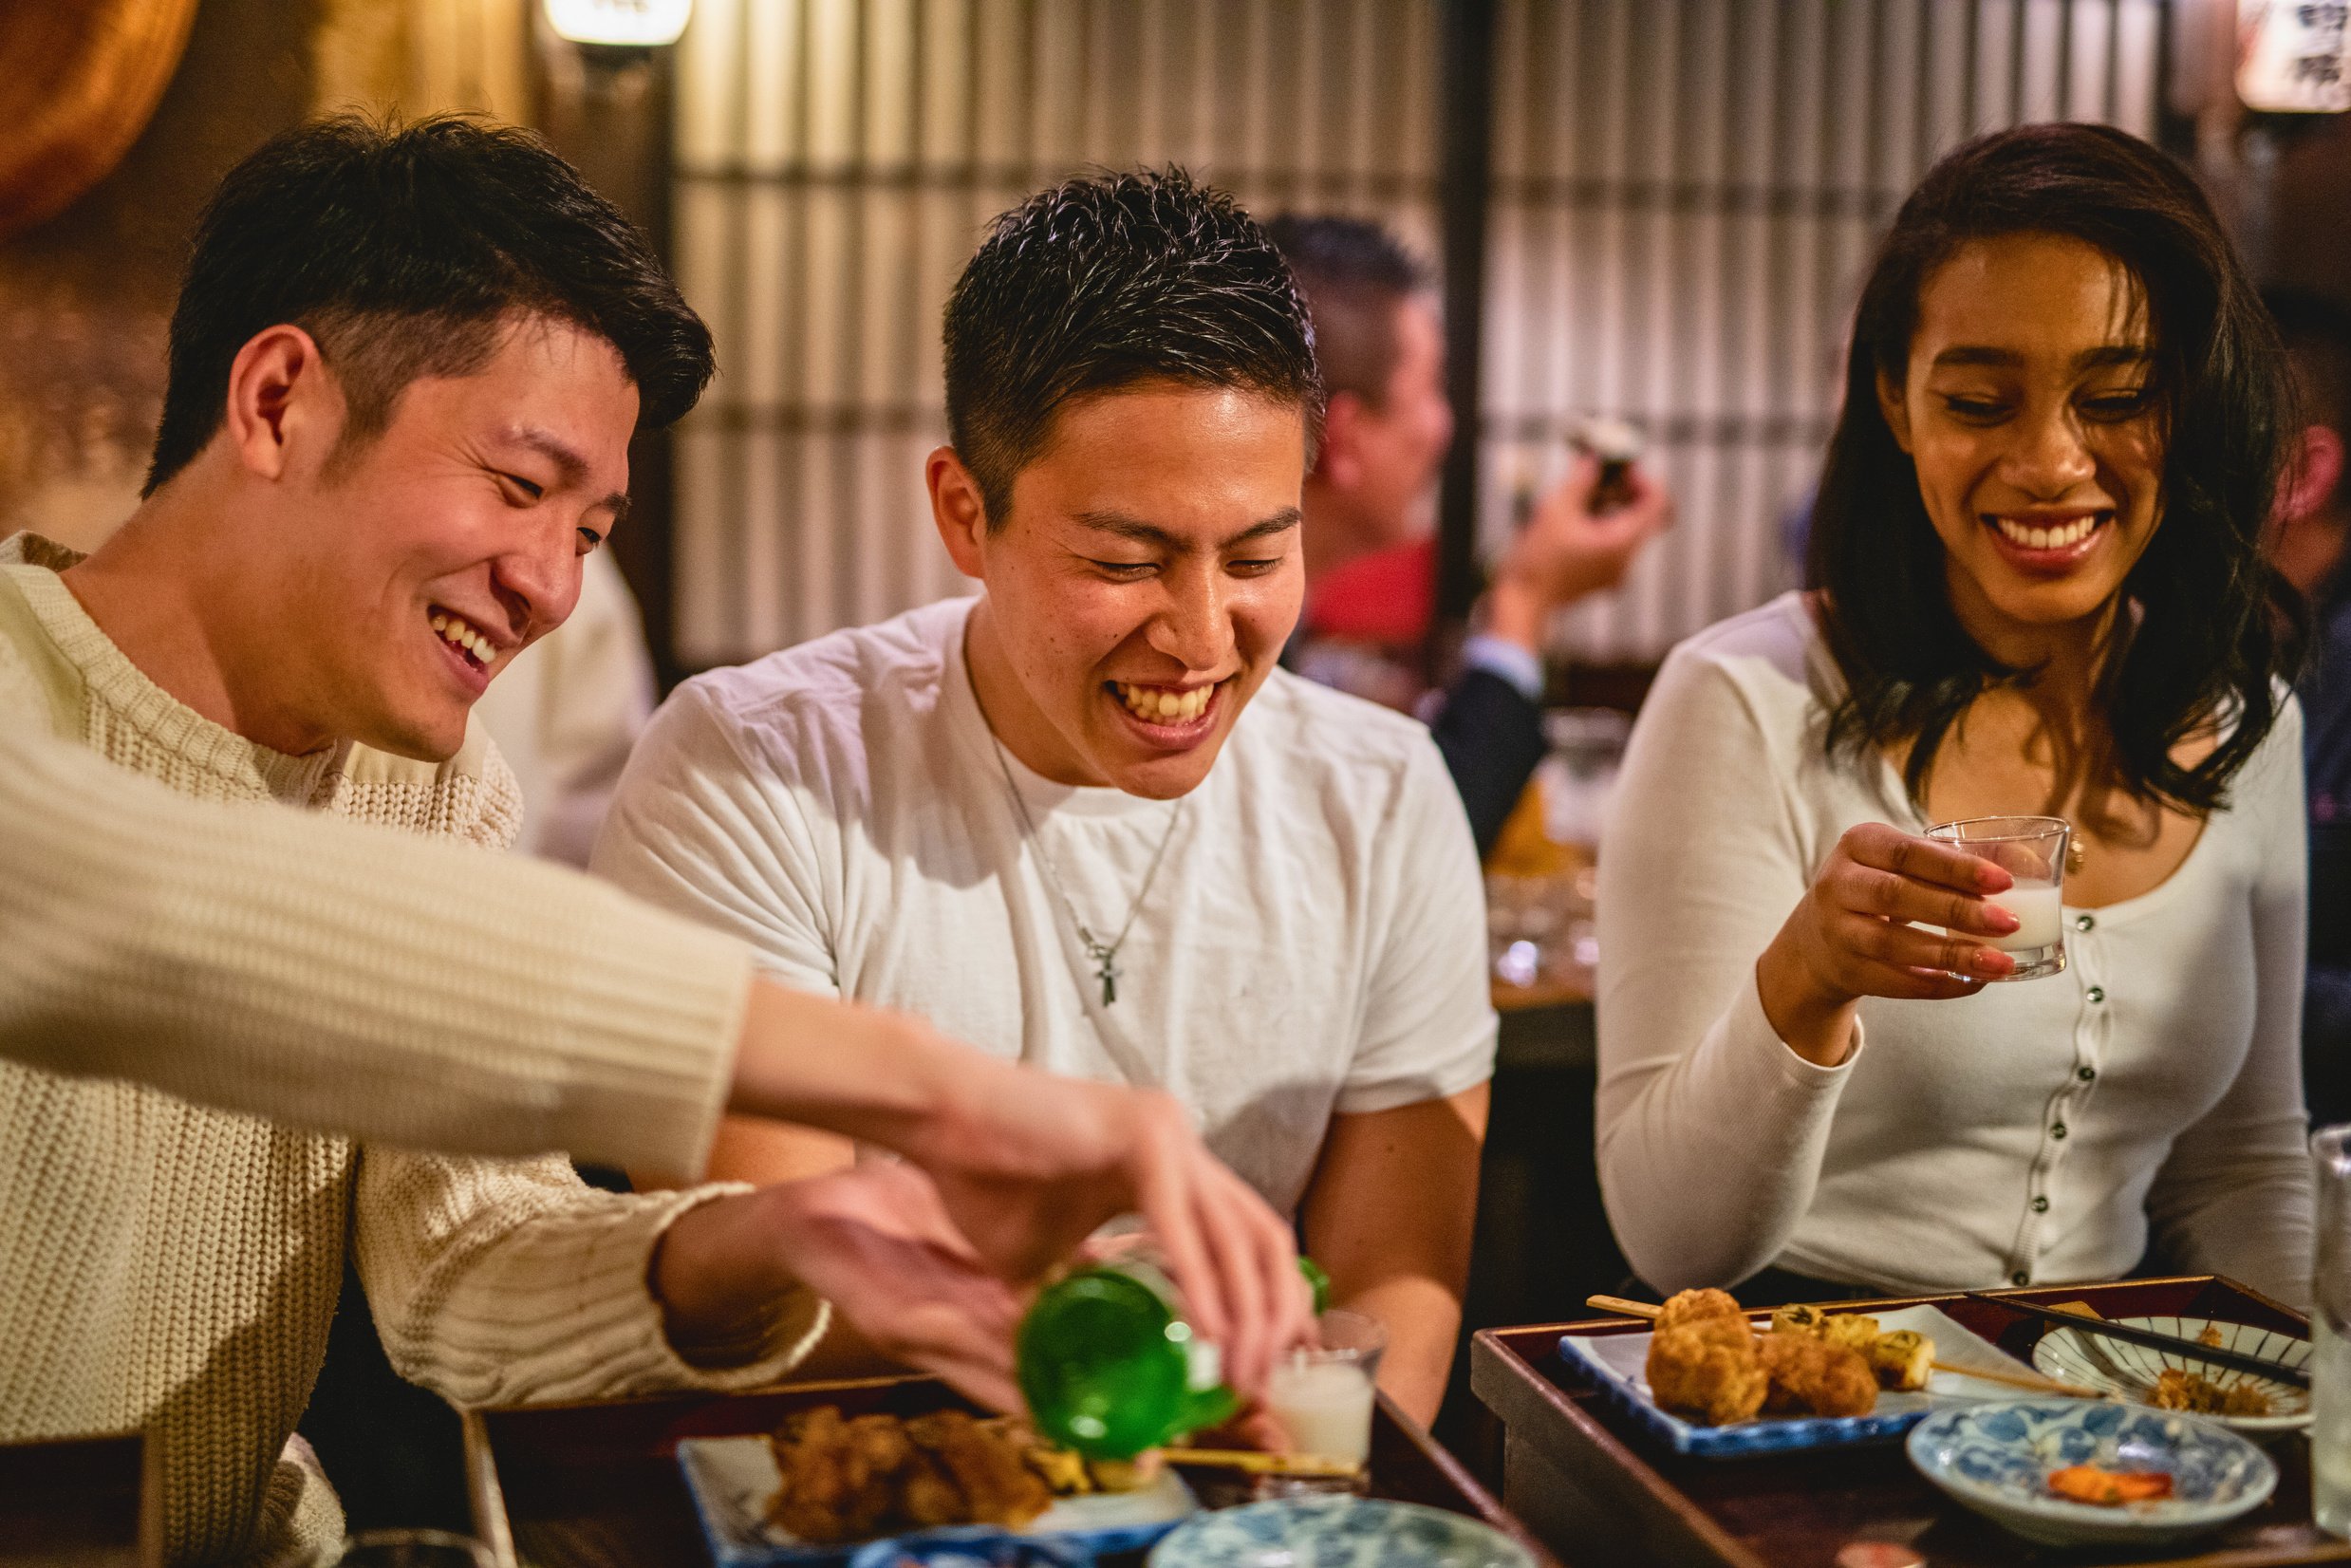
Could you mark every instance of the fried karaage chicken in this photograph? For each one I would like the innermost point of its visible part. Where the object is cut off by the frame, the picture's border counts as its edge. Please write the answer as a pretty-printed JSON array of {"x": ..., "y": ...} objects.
[
  {"x": 853, "y": 1479},
  {"x": 1707, "y": 1364},
  {"x": 1689, "y": 1306},
  {"x": 2201, "y": 1395},
  {"x": 984, "y": 1464},
  {"x": 1705, "y": 1368},
  {"x": 839, "y": 1477},
  {"x": 1810, "y": 1377}
]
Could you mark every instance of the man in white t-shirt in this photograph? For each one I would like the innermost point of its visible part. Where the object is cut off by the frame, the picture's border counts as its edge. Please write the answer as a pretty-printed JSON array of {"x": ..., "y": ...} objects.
[{"x": 1084, "y": 820}]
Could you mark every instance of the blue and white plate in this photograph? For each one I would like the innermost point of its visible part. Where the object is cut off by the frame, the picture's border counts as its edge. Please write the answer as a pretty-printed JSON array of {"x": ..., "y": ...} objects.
[
  {"x": 733, "y": 1479},
  {"x": 1337, "y": 1531},
  {"x": 1996, "y": 1459},
  {"x": 2131, "y": 1371},
  {"x": 1618, "y": 1365},
  {"x": 969, "y": 1546}
]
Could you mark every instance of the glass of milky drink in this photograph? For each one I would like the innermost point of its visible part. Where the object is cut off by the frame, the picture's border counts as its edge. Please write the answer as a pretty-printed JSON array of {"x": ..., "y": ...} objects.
[
  {"x": 2330, "y": 1324},
  {"x": 2031, "y": 849},
  {"x": 1323, "y": 1395}
]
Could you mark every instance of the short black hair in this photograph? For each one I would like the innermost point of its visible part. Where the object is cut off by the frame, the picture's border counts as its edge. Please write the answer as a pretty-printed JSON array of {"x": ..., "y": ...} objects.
[
  {"x": 2317, "y": 332},
  {"x": 2215, "y": 624},
  {"x": 405, "y": 251},
  {"x": 1353, "y": 273},
  {"x": 1108, "y": 281}
]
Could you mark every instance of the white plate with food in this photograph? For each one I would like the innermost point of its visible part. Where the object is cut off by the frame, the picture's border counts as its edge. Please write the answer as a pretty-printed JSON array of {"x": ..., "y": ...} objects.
[
  {"x": 1911, "y": 1361},
  {"x": 997, "y": 1475},
  {"x": 2261, "y": 1408}
]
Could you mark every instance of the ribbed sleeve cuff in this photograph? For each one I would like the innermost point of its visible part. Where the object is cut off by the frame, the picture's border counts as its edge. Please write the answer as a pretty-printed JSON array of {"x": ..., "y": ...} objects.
[{"x": 560, "y": 1308}]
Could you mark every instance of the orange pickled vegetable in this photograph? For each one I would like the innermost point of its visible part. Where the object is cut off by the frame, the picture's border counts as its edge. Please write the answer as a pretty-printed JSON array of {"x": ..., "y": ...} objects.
[{"x": 2109, "y": 1489}]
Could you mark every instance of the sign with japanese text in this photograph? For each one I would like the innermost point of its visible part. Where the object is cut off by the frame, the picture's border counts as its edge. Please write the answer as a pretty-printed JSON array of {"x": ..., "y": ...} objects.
[{"x": 2292, "y": 55}]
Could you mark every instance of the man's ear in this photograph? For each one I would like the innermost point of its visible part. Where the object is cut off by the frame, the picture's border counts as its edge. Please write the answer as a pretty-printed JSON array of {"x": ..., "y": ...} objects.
[
  {"x": 1892, "y": 404},
  {"x": 958, "y": 510},
  {"x": 1338, "y": 456},
  {"x": 282, "y": 403},
  {"x": 2314, "y": 461}
]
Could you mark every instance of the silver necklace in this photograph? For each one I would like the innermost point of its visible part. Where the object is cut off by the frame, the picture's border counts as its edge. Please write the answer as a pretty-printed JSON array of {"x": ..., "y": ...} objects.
[{"x": 1105, "y": 954}]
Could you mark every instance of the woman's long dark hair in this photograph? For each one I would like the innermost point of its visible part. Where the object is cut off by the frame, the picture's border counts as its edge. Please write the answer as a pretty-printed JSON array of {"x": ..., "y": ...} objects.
[{"x": 2215, "y": 623}]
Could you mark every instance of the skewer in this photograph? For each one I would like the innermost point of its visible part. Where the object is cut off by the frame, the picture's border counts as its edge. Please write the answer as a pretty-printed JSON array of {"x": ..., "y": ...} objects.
[
  {"x": 1254, "y": 1463},
  {"x": 2033, "y": 1381}
]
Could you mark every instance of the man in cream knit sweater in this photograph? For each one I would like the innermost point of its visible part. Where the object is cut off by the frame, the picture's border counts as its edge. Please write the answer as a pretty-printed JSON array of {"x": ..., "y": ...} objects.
[{"x": 404, "y": 372}]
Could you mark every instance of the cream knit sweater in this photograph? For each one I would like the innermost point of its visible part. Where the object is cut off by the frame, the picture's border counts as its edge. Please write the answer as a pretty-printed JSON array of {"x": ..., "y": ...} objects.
[{"x": 172, "y": 1268}]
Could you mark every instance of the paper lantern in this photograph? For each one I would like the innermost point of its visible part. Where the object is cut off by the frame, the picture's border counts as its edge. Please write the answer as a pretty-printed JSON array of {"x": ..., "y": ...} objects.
[{"x": 620, "y": 24}]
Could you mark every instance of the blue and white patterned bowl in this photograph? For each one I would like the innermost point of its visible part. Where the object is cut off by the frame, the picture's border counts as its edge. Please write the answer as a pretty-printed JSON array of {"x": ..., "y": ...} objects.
[
  {"x": 1996, "y": 1459},
  {"x": 1336, "y": 1532},
  {"x": 970, "y": 1546}
]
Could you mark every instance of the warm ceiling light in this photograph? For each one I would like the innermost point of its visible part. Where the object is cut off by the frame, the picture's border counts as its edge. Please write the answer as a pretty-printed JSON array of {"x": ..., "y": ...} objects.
[
  {"x": 2294, "y": 57},
  {"x": 623, "y": 23}
]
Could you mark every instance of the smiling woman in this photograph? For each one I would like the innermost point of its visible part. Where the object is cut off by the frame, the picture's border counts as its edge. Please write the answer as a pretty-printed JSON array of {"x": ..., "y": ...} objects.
[
  {"x": 2056, "y": 313},
  {"x": 2037, "y": 592}
]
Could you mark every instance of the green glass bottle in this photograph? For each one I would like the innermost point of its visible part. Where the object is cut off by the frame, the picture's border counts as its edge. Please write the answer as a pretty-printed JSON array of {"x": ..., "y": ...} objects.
[{"x": 1110, "y": 1368}]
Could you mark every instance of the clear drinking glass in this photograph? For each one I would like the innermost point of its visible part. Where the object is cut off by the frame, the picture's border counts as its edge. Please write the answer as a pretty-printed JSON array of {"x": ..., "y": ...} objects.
[
  {"x": 2330, "y": 1326},
  {"x": 2031, "y": 849},
  {"x": 1323, "y": 1398}
]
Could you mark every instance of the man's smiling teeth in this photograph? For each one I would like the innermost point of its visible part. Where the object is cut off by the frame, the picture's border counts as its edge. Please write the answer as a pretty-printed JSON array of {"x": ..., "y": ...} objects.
[
  {"x": 1157, "y": 705},
  {"x": 2045, "y": 538},
  {"x": 458, "y": 634}
]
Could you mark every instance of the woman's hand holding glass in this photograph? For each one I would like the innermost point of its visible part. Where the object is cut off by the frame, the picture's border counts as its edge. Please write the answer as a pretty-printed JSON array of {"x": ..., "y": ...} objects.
[{"x": 1890, "y": 914}]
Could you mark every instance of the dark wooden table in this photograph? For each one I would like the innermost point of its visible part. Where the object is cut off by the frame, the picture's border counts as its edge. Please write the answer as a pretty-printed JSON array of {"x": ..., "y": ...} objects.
[
  {"x": 79, "y": 1502},
  {"x": 597, "y": 1486},
  {"x": 1578, "y": 1473}
]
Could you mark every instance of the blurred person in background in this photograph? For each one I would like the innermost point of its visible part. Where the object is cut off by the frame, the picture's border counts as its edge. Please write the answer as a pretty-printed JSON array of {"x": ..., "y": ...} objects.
[
  {"x": 1085, "y": 820},
  {"x": 2037, "y": 542},
  {"x": 1369, "y": 581},
  {"x": 2306, "y": 541},
  {"x": 405, "y": 366},
  {"x": 567, "y": 711}
]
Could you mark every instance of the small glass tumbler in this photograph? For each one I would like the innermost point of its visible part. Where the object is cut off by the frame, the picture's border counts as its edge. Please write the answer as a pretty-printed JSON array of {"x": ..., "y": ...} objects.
[
  {"x": 2330, "y": 1326},
  {"x": 1323, "y": 1398},
  {"x": 2031, "y": 849}
]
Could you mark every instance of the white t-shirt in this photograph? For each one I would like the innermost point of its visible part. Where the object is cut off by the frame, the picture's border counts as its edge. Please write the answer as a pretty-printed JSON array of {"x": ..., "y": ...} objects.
[
  {"x": 2031, "y": 1132},
  {"x": 1315, "y": 942}
]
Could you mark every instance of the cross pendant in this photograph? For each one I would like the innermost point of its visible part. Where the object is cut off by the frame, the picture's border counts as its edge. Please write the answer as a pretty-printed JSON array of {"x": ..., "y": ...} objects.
[{"x": 1108, "y": 971}]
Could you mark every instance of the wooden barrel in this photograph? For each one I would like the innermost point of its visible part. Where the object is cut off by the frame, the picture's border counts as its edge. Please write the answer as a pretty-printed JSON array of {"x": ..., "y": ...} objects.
[{"x": 79, "y": 80}]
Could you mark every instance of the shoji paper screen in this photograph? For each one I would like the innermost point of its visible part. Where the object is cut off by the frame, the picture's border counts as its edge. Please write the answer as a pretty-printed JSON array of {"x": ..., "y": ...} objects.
[{"x": 1684, "y": 193}]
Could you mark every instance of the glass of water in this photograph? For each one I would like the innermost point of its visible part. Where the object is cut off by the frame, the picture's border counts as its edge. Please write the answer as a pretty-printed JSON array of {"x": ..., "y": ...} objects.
[
  {"x": 2031, "y": 849},
  {"x": 2330, "y": 1325}
]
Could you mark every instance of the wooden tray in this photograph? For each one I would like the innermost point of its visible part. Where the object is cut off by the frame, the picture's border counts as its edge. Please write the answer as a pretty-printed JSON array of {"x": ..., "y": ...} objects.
[
  {"x": 589, "y": 1485},
  {"x": 1576, "y": 1471}
]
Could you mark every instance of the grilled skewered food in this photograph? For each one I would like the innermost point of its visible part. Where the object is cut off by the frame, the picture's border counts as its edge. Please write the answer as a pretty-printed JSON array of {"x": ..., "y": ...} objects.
[{"x": 1902, "y": 1360}]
